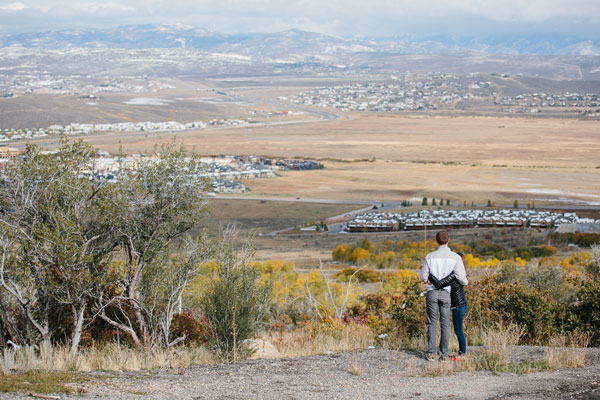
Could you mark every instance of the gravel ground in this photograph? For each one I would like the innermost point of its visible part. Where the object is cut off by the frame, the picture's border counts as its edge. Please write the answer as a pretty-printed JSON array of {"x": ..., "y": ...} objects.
[{"x": 377, "y": 374}]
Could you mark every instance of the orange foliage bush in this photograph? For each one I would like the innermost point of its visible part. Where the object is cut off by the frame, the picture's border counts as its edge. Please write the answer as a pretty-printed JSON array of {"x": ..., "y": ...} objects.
[{"x": 196, "y": 330}]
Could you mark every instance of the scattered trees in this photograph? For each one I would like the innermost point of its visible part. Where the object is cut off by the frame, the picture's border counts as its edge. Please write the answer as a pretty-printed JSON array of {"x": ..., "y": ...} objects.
[
  {"x": 54, "y": 249},
  {"x": 75, "y": 248},
  {"x": 154, "y": 203}
]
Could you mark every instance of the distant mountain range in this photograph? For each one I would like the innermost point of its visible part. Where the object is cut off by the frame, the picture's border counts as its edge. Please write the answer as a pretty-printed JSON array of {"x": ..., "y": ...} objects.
[{"x": 294, "y": 41}]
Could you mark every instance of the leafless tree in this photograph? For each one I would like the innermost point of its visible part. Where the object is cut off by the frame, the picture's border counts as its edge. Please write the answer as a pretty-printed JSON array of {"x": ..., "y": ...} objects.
[{"x": 331, "y": 299}]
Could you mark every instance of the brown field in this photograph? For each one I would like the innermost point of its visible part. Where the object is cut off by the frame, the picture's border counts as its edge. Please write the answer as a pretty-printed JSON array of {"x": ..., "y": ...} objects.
[
  {"x": 268, "y": 216},
  {"x": 456, "y": 158}
]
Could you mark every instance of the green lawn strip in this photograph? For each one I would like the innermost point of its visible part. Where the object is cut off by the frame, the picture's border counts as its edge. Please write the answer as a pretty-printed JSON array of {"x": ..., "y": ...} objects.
[{"x": 45, "y": 382}]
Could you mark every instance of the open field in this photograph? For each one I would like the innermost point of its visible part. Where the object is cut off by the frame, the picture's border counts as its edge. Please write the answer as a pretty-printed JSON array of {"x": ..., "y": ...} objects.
[
  {"x": 43, "y": 110},
  {"x": 183, "y": 101},
  {"x": 456, "y": 158},
  {"x": 262, "y": 217},
  {"x": 268, "y": 216}
]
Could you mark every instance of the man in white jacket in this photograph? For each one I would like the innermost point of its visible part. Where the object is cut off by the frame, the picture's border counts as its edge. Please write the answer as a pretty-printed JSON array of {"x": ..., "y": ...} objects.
[{"x": 440, "y": 263}]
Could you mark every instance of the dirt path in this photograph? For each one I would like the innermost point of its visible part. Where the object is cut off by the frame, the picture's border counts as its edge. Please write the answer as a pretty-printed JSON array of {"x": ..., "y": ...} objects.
[{"x": 369, "y": 374}]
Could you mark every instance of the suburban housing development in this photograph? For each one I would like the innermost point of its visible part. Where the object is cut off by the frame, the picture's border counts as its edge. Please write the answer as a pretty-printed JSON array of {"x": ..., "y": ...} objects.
[
  {"x": 225, "y": 173},
  {"x": 456, "y": 219}
]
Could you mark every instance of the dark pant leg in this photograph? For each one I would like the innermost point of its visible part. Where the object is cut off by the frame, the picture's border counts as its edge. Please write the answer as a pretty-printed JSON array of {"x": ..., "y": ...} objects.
[
  {"x": 458, "y": 315},
  {"x": 432, "y": 319}
]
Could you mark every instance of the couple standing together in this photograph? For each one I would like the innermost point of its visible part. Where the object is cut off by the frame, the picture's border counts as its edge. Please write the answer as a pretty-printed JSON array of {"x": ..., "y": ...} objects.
[{"x": 444, "y": 273}]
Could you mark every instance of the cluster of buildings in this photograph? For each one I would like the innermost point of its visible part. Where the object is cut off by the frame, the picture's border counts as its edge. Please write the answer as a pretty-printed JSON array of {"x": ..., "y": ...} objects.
[
  {"x": 436, "y": 91},
  {"x": 380, "y": 97},
  {"x": 456, "y": 219},
  {"x": 300, "y": 165},
  {"x": 41, "y": 82},
  {"x": 225, "y": 173},
  {"x": 7, "y": 153},
  {"x": 532, "y": 103},
  {"x": 85, "y": 129}
]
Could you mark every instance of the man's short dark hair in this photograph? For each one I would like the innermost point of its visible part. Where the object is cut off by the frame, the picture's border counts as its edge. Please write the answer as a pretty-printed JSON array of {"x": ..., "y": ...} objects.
[{"x": 442, "y": 237}]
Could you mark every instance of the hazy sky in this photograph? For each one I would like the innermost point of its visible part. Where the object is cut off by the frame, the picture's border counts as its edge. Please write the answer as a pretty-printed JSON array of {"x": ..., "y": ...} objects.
[{"x": 375, "y": 18}]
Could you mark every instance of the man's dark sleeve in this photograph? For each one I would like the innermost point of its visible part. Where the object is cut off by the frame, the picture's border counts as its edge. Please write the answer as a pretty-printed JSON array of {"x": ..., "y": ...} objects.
[
  {"x": 435, "y": 281},
  {"x": 447, "y": 281}
]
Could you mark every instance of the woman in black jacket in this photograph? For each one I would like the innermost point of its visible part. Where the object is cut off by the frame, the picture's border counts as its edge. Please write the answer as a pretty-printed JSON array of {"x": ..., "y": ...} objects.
[{"x": 458, "y": 303}]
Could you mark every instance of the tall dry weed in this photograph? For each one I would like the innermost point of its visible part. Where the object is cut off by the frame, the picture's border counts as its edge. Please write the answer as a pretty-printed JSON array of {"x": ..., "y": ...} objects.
[
  {"x": 107, "y": 358},
  {"x": 495, "y": 354},
  {"x": 309, "y": 341},
  {"x": 498, "y": 346},
  {"x": 568, "y": 350}
]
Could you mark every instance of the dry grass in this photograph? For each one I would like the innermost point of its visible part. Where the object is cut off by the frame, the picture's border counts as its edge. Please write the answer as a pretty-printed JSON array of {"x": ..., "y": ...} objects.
[
  {"x": 354, "y": 366},
  {"x": 565, "y": 351},
  {"x": 460, "y": 158},
  {"x": 300, "y": 342},
  {"x": 263, "y": 216},
  {"x": 568, "y": 350},
  {"x": 307, "y": 341},
  {"x": 494, "y": 356},
  {"x": 107, "y": 358}
]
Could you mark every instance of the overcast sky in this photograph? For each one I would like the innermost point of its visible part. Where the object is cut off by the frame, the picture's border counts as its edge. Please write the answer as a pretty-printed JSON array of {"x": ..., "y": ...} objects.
[{"x": 371, "y": 18}]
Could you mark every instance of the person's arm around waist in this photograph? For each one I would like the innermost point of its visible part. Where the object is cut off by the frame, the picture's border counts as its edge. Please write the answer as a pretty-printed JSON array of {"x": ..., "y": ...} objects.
[{"x": 445, "y": 281}]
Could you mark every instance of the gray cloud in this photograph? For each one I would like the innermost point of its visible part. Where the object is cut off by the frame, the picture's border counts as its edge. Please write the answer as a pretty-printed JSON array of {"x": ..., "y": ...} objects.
[{"x": 341, "y": 17}]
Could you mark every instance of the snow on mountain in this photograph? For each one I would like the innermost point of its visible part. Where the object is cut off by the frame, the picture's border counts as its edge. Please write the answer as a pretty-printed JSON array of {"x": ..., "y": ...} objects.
[{"x": 293, "y": 43}]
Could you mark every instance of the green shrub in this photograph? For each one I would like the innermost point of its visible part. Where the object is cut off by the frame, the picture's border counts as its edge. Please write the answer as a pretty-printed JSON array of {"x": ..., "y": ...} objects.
[
  {"x": 587, "y": 309},
  {"x": 411, "y": 315},
  {"x": 235, "y": 305},
  {"x": 580, "y": 239},
  {"x": 535, "y": 312},
  {"x": 527, "y": 253},
  {"x": 483, "y": 313}
]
